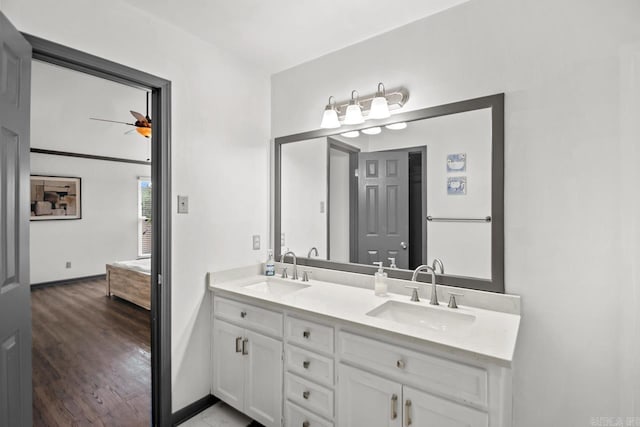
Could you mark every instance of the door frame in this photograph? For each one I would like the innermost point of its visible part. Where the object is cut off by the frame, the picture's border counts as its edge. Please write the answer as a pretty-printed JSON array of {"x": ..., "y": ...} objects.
[{"x": 53, "y": 53}]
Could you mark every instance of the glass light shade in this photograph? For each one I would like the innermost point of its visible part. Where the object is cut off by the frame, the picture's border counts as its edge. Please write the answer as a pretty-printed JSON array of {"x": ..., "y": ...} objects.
[
  {"x": 353, "y": 115},
  {"x": 379, "y": 108},
  {"x": 372, "y": 131},
  {"x": 146, "y": 132},
  {"x": 351, "y": 134},
  {"x": 397, "y": 126},
  {"x": 330, "y": 119}
]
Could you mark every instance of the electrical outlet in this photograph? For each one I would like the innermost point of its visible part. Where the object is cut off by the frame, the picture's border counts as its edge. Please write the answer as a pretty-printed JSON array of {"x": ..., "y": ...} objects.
[
  {"x": 183, "y": 204},
  {"x": 256, "y": 242},
  {"x": 68, "y": 265}
]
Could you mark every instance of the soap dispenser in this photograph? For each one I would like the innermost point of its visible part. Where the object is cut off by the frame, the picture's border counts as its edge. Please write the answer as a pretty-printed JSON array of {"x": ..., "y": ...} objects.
[
  {"x": 380, "y": 281},
  {"x": 270, "y": 266},
  {"x": 392, "y": 263}
]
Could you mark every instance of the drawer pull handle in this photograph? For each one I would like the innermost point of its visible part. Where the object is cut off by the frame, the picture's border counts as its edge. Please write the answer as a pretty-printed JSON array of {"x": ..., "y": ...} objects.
[
  {"x": 407, "y": 412},
  {"x": 394, "y": 406},
  {"x": 306, "y": 364},
  {"x": 305, "y": 394},
  {"x": 306, "y": 424},
  {"x": 243, "y": 314},
  {"x": 245, "y": 351},
  {"x": 306, "y": 334},
  {"x": 400, "y": 364},
  {"x": 238, "y": 346}
]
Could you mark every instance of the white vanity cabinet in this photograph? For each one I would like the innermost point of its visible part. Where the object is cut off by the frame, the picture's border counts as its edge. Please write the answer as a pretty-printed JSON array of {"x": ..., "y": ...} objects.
[{"x": 247, "y": 364}]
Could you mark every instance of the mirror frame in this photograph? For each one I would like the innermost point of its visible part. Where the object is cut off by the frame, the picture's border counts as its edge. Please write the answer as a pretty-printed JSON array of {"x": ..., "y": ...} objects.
[{"x": 496, "y": 104}]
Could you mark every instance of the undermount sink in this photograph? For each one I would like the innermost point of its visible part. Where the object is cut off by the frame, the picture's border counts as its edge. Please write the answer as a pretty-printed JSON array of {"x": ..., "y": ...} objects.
[
  {"x": 426, "y": 316},
  {"x": 275, "y": 287}
]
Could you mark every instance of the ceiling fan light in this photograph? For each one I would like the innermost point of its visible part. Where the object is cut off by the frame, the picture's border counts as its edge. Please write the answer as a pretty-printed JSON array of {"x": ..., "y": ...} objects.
[
  {"x": 397, "y": 126},
  {"x": 351, "y": 134},
  {"x": 372, "y": 131},
  {"x": 146, "y": 132},
  {"x": 330, "y": 116}
]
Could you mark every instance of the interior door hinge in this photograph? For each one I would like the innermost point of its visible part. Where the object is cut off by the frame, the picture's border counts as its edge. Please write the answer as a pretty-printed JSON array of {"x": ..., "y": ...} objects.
[
  {"x": 159, "y": 279},
  {"x": 355, "y": 173}
]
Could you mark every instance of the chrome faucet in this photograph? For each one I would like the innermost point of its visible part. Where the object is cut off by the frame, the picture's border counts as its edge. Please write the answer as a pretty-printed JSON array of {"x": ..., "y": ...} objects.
[
  {"x": 313, "y": 249},
  {"x": 295, "y": 264},
  {"x": 434, "y": 292},
  {"x": 437, "y": 262}
]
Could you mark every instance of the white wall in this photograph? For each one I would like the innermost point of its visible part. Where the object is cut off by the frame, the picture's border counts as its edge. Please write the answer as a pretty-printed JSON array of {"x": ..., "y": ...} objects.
[
  {"x": 61, "y": 103},
  {"x": 339, "y": 205},
  {"x": 304, "y": 188},
  {"x": 220, "y": 133},
  {"x": 568, "y": 69}
]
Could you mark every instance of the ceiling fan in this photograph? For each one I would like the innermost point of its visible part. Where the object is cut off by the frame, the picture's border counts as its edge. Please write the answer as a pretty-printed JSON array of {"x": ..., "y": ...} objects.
[{"x": 142, "y": 123}]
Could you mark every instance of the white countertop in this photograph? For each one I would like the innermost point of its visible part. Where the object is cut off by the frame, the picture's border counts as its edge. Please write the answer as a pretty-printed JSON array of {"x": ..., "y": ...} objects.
[{"x": 491, "y": 336}]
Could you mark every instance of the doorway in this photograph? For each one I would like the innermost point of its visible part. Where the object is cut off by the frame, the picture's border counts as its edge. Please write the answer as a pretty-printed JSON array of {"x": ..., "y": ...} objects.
[{"x": 49, "y": 52}]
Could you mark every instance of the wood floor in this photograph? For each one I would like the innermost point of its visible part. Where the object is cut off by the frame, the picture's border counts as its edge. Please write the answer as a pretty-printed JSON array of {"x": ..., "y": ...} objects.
[{"x": 91, "y": 358}]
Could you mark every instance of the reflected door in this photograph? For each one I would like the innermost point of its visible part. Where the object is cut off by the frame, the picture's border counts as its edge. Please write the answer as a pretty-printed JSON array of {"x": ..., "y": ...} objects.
[{"x": 383, "y": 207}]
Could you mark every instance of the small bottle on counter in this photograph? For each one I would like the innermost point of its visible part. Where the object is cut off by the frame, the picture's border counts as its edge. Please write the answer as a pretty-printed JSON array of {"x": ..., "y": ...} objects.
[
  {"x": 270, "y": 266},
  {"x": 380, "y": 281}
]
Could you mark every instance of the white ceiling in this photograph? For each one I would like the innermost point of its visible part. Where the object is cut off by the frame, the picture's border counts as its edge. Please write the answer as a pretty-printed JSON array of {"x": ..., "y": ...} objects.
[{"x": 279, "y": 34}]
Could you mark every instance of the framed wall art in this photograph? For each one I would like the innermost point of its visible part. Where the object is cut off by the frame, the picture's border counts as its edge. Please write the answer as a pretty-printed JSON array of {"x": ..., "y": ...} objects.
[{"x": 55, "y": 197}]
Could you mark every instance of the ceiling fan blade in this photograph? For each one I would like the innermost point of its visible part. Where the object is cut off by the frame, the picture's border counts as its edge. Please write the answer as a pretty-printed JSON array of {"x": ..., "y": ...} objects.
[
  {"x": 139, "y": 117},
  {"x": 111, "y": 121}
]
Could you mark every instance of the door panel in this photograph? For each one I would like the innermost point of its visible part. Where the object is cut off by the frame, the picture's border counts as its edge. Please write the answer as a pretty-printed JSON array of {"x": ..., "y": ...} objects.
[
  {"x": 228, "y": 368},
  {"x": 368, "y": 400},
  {"x": 383, "y": 207},
  {"x": 263, "y": 379},
  {"x": 15, "y": 303},
  {"x": 424, "y": 409}
]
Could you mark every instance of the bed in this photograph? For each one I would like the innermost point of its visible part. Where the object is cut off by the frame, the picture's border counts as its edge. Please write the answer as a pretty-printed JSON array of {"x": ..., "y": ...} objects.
[{"x": 131, "y": 281}]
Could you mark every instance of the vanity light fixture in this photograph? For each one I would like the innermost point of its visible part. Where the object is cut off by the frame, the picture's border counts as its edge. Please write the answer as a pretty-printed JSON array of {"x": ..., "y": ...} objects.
[
  {"x": 352, "y": 134},
  {"x": 330, "y": 116},
  {"x": 397, "y": 126},
  {"x": 353, "y": 116},
  {"x": 379, "y": 106},
  {"x": 372, "y": 131}
]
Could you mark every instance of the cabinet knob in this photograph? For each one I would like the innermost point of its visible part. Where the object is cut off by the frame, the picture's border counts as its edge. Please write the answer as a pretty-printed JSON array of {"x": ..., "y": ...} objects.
[
  {"x": 243, "y": 314},
  {"x": 306, "y": 364},
  {"x": 305, "y": 394},
  {"x": 400, "y": 364},
  {"x": 306, "y": 334}
]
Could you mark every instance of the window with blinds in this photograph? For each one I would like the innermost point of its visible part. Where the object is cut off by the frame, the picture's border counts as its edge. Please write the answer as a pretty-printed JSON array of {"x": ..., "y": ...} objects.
[{"x": 145, "y": 240}]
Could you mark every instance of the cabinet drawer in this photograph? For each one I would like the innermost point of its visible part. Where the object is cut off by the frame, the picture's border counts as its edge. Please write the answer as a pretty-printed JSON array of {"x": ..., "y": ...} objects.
[
  {"x": 309, "y": 364},
  {"x": 309, "y": 334},
  {"x": 248, "y": 316},
  {"x": 299, "y": 417},
  {"x": 309, "y": 395},
  {"x": 430, "y": 373}
]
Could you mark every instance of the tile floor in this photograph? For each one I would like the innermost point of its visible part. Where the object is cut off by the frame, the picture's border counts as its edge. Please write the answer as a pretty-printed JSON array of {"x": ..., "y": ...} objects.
[{"x": 219, "y": 415}]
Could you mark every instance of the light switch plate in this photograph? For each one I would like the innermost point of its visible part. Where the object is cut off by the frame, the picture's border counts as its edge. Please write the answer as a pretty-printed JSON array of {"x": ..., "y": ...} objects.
[
  {"x": 183, "y": 204},
  {"x": 256, "y": 242}
]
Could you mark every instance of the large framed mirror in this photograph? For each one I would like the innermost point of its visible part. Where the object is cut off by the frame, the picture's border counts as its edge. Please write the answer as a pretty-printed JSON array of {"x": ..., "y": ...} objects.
[{"x": 425, "y": 184}]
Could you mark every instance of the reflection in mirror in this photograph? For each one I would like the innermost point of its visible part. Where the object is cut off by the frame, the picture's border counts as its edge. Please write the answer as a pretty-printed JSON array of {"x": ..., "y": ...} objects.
[{"x": 366, "y": 199}]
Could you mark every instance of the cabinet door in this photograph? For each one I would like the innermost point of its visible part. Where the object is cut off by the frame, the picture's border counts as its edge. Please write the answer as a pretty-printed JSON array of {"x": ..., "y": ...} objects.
[
  {"x": 367, "y": 400},
  {"x": 228, "y": 363},
  {"x": 263, "y": 379},
  {"x": 422, "y": 409}
]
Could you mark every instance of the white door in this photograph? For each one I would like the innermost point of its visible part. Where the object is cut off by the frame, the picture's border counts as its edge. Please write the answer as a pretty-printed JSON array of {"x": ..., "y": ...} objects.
[
  {"x": 423, "y": 409},
  {"x": 228, "y": 363},
  {"x": 366, "y": 400},
  {"x": 15, "y": 297},
  {"x": 263, "y": 379}
]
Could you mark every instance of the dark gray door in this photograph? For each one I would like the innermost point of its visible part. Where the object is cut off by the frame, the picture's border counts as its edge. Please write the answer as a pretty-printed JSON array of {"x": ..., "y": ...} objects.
[
  {"x": 15, "y": 303},
  {"x": 383, "y": 207}
]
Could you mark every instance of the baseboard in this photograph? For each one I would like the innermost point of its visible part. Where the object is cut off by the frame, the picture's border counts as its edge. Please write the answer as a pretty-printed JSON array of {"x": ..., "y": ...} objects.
[
  {"x": 67, "y": 281},
  {"x": 193, "y": 409}
]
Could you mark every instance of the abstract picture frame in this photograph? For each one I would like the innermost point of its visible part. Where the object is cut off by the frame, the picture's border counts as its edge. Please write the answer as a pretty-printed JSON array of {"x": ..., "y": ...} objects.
[{"x": 55, "y": 198}]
